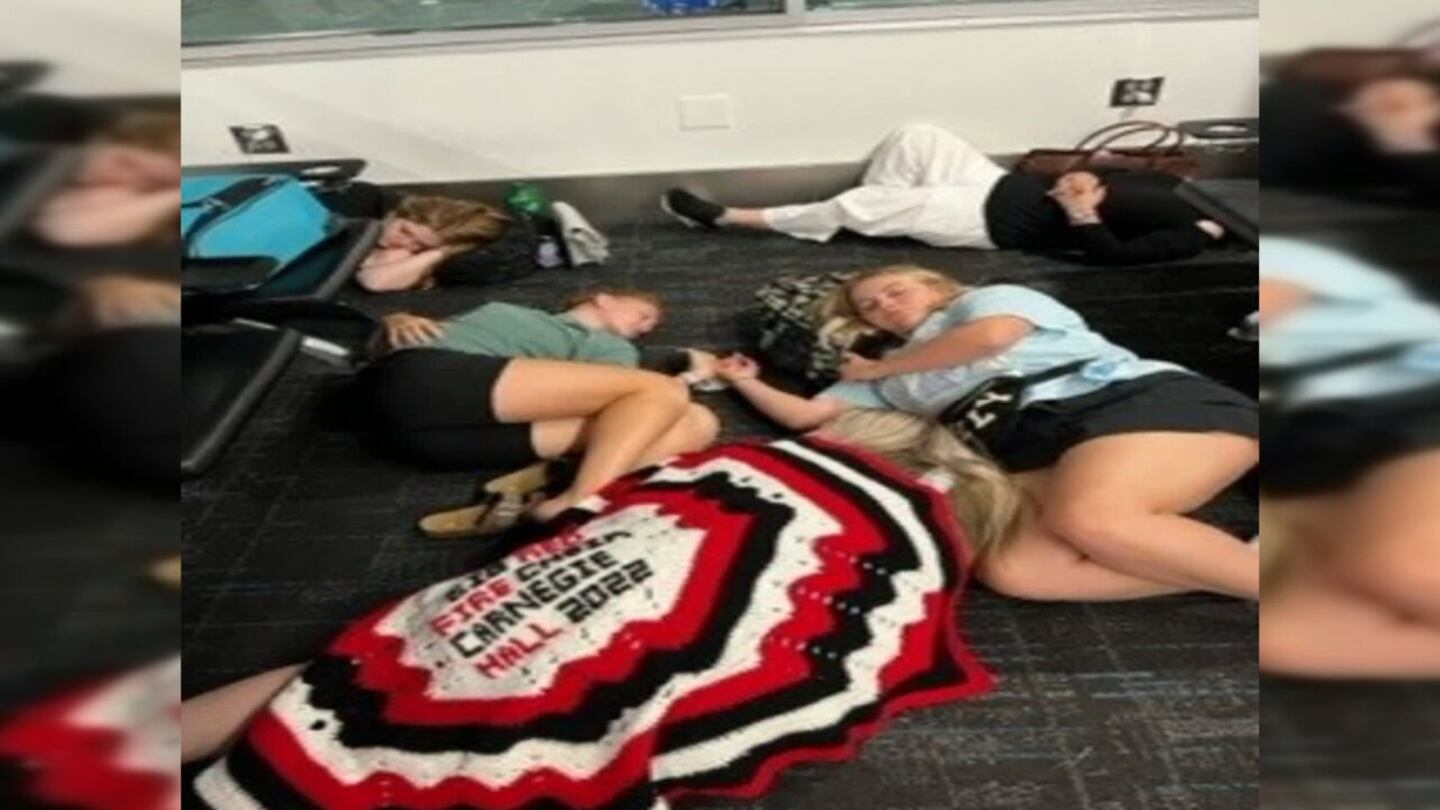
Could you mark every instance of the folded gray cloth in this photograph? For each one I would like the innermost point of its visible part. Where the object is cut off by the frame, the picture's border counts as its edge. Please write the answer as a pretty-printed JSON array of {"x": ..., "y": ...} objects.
[{"x": 585, "y": 244}]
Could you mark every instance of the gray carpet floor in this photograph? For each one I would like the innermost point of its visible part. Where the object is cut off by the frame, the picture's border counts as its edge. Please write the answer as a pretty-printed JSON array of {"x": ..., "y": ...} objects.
[{"x": 1137, "y": 706}]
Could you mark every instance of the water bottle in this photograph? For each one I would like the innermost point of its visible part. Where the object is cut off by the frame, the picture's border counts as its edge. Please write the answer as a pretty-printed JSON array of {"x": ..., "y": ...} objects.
[
  {"x": 527, "y": 200},
  {"x": 547, "y": 253}
]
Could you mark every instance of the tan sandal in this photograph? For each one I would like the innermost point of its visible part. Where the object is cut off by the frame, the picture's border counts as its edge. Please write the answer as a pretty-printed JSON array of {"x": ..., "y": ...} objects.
[
  {"x": 503, "y": 503},
  {"x": 168, "y": 572},
  {"x": 523, "y": 481},
  {"x": 495, "y": 514}
]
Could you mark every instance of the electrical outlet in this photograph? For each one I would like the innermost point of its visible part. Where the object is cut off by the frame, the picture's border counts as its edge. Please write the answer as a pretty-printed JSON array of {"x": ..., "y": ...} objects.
[
  {"x": 260, "y": 139},
  {"x": 1137, "y": 92}
]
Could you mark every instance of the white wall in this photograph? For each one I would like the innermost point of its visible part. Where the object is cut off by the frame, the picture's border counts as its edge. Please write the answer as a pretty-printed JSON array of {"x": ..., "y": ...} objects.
[
  {"x": 799, "y": 98},
  {"x": 1292, "y": 25},
  {"x": 97, "y": 47}
]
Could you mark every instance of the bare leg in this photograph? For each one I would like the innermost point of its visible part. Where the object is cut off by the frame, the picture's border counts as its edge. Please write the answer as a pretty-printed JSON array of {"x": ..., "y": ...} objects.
[
  {"x": 1386, "y": 539},
  {"x": 1039, "y": 565},
  {"x": 1311, "y": 626},
  {"x": 744, "y": 218},
  {"x": 695, "y": 431},
  {"x": 1121, "y": 501},
  {"x": 630, "y": 411},
  {"x": 210, "y": 722}
]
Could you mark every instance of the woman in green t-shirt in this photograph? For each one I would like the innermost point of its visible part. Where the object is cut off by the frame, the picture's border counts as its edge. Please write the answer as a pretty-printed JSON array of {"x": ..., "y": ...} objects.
[{"x": 502, "y": 386}]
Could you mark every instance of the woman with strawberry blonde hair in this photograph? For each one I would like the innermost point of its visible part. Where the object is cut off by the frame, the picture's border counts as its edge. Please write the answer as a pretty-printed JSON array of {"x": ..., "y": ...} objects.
[{"x": 420, "y": 234}]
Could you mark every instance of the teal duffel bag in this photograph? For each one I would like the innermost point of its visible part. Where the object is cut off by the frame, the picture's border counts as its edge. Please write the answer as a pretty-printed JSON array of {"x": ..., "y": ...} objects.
[{"x": 271, "y": 218}]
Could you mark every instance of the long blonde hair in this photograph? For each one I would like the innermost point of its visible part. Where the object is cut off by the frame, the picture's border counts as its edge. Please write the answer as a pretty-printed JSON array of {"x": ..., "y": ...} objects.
[
  {"x": 986, "y": 501},
  {"x": 462, "y": 224},
  {"x": 842, "y": 323}
]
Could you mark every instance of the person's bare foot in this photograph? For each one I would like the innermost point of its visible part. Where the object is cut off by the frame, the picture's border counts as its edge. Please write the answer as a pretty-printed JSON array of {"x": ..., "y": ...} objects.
[{"x": 548, "y": 510}]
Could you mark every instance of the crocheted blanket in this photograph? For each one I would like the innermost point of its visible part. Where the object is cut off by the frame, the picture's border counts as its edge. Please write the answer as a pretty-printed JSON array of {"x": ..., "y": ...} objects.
[{"x": 697, "y": 628}]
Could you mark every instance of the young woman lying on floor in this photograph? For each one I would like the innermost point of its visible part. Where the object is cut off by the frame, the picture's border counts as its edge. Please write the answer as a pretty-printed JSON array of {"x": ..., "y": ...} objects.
[
  {"x": 693, "y": 629},
  {"x": 1115, "y": 453},
  {"x": 1351, "y": 524},
  {"x": 125, "y": 191},
  {"x": 1384, "y": 133},
  {"x": 421, "y": 233},
  {"x": 503, "y": 385},
  {"x": 930, "y": 185}
]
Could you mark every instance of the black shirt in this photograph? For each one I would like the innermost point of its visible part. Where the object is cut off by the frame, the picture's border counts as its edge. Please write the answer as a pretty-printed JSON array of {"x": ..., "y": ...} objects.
[
  {"x": 1312, "y": 146},
  {"x": 1141, "y": 220}
]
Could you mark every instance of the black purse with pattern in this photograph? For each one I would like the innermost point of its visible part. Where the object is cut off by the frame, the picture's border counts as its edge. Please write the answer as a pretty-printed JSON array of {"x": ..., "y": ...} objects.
[
  {"x": 792, "y": 338},
  {"x": 985, "y": 417}
]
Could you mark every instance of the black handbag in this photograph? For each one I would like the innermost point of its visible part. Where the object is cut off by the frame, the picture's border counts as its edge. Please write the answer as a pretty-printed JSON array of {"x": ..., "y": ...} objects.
[{"x": 985, "y": 417}]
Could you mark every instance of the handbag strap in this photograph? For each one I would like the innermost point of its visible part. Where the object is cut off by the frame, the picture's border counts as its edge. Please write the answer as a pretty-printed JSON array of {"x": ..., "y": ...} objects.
[
  {"x": 221, "y": 203},
  {"x": 1126, "y": 126},
  {"x": 1055, "y": 373},
  {"x": 1105, "y": 136},
  {"x": 1364, "y": 357},
  {"x": 957, "y": 410},
  {"x": 1167, "y": 139},
  {"x": 234, "y": 194}
]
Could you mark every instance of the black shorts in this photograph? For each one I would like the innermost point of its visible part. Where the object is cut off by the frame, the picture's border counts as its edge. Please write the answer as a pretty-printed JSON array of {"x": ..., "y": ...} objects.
[
  {"x": 435, "y": 407},
  {"x": 1330, "y": 446},
  {"x": 1169, "y": 401}
]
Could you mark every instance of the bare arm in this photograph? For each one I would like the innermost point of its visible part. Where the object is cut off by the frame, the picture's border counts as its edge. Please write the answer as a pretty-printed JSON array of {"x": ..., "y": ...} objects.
[
  {"x": 81, "y": 218},
  {"x": 129, "y": 166},
  {"x": 381, "y": 275},
  {"x": 789, "y": 410},
  {"x": 1102, "y": 246},
  {"x": 1312, "y": 628},
  {"x": 1081, "y": 193},
  {"x": 963, "y": 344},
  {"x": 1279, "y": 298},
  {"x": 404, "y": 330},
  {"x": 211, "y": 722}
]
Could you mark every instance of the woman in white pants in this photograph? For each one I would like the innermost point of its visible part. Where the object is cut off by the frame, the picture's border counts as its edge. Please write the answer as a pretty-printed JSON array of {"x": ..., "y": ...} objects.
[{"x": 927, "y": 184}]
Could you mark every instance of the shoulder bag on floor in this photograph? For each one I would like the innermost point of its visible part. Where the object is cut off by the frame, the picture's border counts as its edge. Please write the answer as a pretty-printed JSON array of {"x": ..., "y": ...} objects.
[
  {"x": 792, "y": 336},
  {"x": 1165, "y": 152},
  {"x": 273, "y": 219}
]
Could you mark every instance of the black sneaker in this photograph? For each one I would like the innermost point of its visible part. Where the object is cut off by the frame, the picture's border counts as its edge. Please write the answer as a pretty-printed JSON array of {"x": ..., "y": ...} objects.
[{"x": 693, "y": 211}]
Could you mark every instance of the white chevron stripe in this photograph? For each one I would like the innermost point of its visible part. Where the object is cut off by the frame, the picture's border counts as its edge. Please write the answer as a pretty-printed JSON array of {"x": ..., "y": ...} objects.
[{"x": 220, "y": 790}]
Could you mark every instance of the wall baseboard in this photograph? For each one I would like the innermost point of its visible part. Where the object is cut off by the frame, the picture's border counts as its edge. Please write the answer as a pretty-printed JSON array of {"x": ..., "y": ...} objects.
[{"x": 611, "y": 200}]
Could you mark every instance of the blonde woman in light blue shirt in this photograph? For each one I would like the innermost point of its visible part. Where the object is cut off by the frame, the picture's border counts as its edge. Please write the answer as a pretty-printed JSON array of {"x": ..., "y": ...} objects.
[{"x": 1115, "y": 454}]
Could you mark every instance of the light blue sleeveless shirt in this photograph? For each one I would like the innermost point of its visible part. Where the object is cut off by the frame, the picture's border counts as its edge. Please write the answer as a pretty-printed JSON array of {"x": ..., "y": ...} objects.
[{"x": 1060, "y": 336}]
